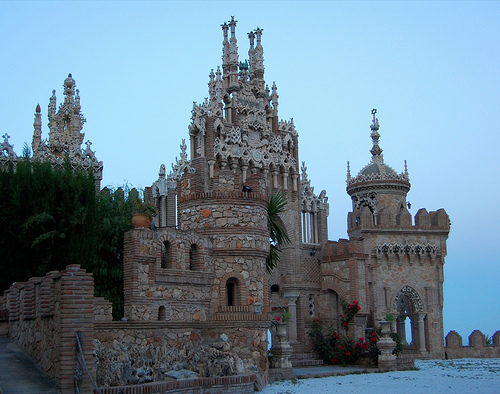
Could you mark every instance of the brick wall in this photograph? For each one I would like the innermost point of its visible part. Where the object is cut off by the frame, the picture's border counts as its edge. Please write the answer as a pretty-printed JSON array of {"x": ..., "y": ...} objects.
[
  {"x": 478, "y": 348},
  {"x": 44, "y": 316}
]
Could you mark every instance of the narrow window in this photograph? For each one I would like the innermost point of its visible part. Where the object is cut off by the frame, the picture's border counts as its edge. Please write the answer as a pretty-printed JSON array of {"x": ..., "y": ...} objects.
[
  {"x": 232, "y": 291},
  {"x": 162, "y": 313},
  {"x": 166, "y": 255}
]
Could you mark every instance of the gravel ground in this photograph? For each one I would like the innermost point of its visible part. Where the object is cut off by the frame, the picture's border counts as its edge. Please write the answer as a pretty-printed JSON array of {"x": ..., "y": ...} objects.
[{"x": 481, "y": 376}]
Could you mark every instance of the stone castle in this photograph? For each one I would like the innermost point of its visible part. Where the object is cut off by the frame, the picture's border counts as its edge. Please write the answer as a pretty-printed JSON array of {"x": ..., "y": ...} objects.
[
  {"x": 211, "y": 226},
  {"x": 196, "y": 283}
]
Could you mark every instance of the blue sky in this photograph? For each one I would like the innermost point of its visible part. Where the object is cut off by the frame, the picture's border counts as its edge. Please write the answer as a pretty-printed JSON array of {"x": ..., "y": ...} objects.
[{"x": 430, "y": 68}]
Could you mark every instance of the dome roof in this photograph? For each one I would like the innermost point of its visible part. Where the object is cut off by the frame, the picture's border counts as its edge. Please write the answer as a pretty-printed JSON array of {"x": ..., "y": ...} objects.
[
  {"x": 377, "y": 170},
  {"x": 374, "y": 169}
]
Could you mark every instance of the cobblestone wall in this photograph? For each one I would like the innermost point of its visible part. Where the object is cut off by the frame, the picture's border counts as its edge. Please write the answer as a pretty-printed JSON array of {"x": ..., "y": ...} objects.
[{"x": 141, "y": 352}]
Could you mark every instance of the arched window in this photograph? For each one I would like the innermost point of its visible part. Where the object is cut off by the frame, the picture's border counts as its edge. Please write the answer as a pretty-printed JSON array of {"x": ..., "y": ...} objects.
[
  {"x": 166, "y": 255},
  {"x": 195, "y": 258},
  {"x": 232, "y": 291},
  {"x": 162, "y": 313},
  {"x": 275, "y": 289}
]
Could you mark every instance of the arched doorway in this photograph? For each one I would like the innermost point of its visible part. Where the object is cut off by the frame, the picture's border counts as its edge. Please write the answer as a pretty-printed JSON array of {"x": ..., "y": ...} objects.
[{"x": 410, "y": 322}]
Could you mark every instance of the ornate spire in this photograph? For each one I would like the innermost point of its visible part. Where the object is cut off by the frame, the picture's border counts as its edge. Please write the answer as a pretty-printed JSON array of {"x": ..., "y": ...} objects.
[
  {"x": 37, "y": 125},
  {"x": 65, "y": 125},
  {"x": 348, "y": 172},
  {"x": 233, "y": 48},
  {"x": 251, "y": 51},
  {"x": 376, "y": 151},
  {"x": 225, "y": 45},
  {"x": 274, "y": 99}
]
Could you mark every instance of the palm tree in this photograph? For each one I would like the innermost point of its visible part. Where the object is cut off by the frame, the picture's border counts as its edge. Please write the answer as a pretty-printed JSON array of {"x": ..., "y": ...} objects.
[{"x": 278, "y": 235}]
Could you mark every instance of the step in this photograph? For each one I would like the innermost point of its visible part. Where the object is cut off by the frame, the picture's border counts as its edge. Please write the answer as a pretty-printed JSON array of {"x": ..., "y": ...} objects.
[{"x": 306, "y": 362}]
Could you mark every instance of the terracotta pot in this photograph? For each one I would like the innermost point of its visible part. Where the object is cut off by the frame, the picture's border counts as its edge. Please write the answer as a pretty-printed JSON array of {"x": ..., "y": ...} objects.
[{"x": 140, "y": 220}]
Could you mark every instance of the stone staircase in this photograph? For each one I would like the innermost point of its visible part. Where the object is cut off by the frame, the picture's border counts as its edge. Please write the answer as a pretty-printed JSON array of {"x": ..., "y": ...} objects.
[{"x": 305, "y": 360}]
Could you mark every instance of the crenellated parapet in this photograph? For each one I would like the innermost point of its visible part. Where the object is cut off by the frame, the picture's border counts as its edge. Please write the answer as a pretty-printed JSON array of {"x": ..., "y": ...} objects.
[{"x": 478, "y": 346}]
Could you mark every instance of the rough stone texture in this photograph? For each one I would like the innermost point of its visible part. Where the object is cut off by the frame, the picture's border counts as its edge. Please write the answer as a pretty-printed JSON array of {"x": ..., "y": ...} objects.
[
  {"x": 128, "y": 353},
  {"x": 478, "y": 348}
]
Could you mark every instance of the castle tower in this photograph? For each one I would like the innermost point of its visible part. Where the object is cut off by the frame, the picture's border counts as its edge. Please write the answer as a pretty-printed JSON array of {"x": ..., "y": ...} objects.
[
  {"x": 65, "y": 136},
  {"x": 404, "y": 270}
]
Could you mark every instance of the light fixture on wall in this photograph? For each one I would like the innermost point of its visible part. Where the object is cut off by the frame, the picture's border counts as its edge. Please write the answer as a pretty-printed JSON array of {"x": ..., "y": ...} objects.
[
  {"x": 313, "y": 251},
  {"x": 408, "y": 204},
  {"x": 246, "y": 189}
]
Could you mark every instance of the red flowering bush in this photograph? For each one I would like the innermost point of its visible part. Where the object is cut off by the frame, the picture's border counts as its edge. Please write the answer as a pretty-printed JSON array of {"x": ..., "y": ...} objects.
[
  {"x": 349, "y": 311},
  {"x": 334, "y": 348}
]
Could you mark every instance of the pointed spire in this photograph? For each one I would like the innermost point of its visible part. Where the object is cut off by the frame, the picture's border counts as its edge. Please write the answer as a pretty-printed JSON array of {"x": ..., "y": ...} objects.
[
  {"x": 348, "y": 172},
  {"x": 37, "y": 126},
  {"x": 225, "y": 45},
  {"x": 69, "y": 89},
  {"x": 407, "y": 176},
  {"x": 230, "y": 57},
  {"x": 233, "y": 48},
  {"x": 376, "y": 151},
  {"x": 259, "y": 52},
  {"x": 251, "y": 51},
  {"x": 211, "y": 85},
  {"x": 274, "y": 99}
]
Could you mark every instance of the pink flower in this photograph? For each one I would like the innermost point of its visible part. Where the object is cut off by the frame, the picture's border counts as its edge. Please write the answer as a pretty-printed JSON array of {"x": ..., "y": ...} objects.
[
  {"x": 348, "y": 354},
  {"x": 278, "y": 318}
]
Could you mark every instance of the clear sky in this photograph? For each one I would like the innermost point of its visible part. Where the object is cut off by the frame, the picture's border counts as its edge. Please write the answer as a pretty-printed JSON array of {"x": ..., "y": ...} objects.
[{"x": 430, "y": 68}]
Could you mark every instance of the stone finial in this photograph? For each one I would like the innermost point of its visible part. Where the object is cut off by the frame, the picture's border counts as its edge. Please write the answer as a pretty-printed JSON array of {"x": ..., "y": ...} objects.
[
  {"x": 348, "y": 172},
  {"x": 274, "y": 98},
  {"x": 37, "y": 126},
  {"x": 376, "y": 151}
]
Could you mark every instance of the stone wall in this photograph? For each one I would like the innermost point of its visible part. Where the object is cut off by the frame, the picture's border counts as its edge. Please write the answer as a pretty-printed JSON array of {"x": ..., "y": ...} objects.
[
  {"x": 44, "y": 317},
  {"x": 128, "y": 353},
  {"x": 45, "y": 314},
  {"x": 478, "y": 348}
]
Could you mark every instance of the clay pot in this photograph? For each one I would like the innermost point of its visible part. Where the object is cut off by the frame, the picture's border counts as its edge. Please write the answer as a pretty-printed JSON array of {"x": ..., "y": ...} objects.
[{"x": 140, "y": 220}]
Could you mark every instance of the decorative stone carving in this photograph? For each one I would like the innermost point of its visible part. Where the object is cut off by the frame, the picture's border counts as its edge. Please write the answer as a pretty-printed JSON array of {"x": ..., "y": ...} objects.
[
  {"x": 6, "y": 149},
  {"x": 411, "y": 294},
  {"x": 181, "y": 166}
]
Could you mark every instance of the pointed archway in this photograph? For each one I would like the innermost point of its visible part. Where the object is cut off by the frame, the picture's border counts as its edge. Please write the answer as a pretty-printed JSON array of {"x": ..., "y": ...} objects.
[{"x": 410, "y": 311}]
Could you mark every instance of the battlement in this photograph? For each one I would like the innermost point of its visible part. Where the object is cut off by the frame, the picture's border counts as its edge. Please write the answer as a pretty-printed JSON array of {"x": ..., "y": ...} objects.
[{"x": 364, "y": 219}]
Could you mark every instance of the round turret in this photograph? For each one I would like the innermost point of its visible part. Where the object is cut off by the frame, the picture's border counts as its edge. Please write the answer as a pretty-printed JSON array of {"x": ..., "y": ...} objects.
[{"x": 378, "y": 192}]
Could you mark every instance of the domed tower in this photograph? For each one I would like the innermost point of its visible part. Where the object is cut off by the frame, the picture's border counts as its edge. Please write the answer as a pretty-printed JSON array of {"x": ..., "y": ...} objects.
[
  {"x": 378, "y": 193},
  {"x": 404, "y": 270}
]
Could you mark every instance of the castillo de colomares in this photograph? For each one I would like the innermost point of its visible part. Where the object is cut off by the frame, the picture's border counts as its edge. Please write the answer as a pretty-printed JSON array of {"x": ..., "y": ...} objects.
[{"x": 294, "y": 192}]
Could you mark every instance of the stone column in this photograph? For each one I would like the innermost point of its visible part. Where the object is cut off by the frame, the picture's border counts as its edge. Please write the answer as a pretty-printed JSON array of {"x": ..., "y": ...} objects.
[
  {"x": 292, "y": 308},
  {"x": 402, "y": 329},
  {"x": 421, "y": 333},
  {"x": 163, "y": 210}
]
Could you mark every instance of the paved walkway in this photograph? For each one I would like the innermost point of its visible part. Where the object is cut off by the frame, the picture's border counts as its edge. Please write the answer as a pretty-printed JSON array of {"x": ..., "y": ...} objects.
[
  {"x": 19, "y": 374},
  {"x": 328, "y": 370}
]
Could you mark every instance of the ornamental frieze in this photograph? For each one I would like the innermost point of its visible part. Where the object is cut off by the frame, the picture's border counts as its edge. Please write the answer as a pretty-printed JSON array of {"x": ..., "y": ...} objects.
[{"x": 418, "y": 250}]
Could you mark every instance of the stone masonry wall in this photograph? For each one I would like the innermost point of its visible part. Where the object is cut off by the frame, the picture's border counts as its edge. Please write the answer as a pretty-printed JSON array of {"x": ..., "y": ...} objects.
[
  {"x": 44, "y": 317},
  {"x": 478, "y": 348},
  {"x": 141, "y": 352}
]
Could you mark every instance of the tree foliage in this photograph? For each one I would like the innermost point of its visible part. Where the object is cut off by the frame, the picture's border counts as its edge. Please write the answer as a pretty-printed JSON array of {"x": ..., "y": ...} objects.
[
  {"x": 278, "y": 235},
  {"x": 51, "y": 217}
]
